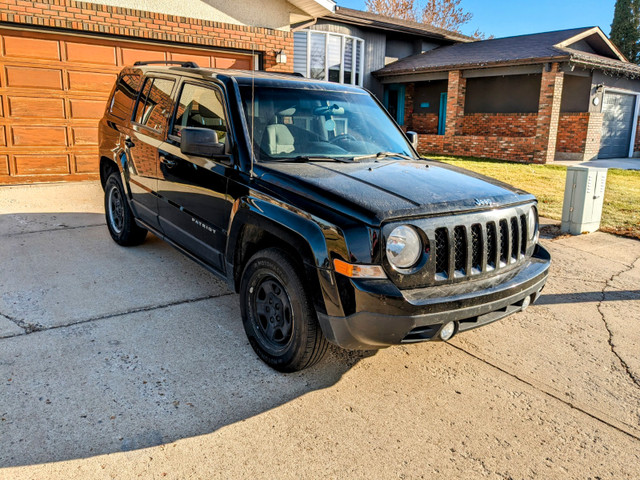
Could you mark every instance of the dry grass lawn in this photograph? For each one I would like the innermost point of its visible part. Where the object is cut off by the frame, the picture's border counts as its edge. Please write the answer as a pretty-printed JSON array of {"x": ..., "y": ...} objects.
[{"x": 621, "y": 210}]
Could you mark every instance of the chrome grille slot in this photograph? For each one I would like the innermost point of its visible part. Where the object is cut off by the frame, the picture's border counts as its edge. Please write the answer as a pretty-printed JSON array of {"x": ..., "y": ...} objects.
[
  {"x": 442, "y": 253},
  {"x": 492, "y": 246},
  {"x": 459, "y": 250},
  {"x": 523, "y": 235},
  {"x": 477, "y": 247},
  {"x": 504, "y": 242},
  {"x": 515, "y": 240}
]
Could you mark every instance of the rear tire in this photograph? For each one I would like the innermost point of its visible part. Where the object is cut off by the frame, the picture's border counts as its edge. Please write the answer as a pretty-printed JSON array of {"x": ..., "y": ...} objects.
[
  {"x": 120, "y": 220},
  {"x": 277, "y": 313}
]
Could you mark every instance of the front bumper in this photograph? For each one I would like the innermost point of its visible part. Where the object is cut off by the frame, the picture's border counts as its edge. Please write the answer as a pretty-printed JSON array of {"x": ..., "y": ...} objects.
[{"x": 385, "y": 315}]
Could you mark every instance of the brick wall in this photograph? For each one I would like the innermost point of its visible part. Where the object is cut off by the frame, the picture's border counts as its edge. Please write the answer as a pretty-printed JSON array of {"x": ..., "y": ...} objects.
[
  {"x": 572, "y": 132},
  {"x": 499, "y": 124},
  {"x": 517, "y": 149},
  {"x": 141, "y": 25},
  {"x": 424, "y": 123}
]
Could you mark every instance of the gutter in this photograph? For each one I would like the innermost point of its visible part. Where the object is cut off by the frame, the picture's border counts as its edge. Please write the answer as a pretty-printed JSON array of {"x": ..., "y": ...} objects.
[{"x": 473, "y": 66}]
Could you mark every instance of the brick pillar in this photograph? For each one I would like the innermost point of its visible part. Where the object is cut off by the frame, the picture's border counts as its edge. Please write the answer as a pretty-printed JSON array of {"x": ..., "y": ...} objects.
[
  {"x": 456, "y": 92},
  {"x": 594, "y": 133},
  {"x": 548, "y": 114},
  {"x": 408, "y": 106}
]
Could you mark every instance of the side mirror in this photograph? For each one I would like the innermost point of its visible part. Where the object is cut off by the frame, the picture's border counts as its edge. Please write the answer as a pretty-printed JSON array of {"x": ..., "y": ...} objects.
[
  {"x": 413, "y": 138},
  {"x": 200, "y": 141}
]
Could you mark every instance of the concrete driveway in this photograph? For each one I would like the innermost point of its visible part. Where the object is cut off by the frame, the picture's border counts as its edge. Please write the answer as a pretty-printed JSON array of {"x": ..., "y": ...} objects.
[{"x": 123, "y": 363}]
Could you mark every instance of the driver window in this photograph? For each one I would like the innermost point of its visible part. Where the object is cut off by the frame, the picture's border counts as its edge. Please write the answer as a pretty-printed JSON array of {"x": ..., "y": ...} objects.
[{"x": 200, "y": 107}]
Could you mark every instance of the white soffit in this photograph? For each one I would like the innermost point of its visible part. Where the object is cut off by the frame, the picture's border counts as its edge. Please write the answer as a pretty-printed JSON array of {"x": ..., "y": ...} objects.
[{"x": 315, "y": 8}]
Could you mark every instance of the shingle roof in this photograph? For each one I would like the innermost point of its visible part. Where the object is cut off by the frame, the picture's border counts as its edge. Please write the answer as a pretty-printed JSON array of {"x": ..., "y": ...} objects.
[
  {"x": 523, "y": 49},
  {"x": 374, "y": 20}
]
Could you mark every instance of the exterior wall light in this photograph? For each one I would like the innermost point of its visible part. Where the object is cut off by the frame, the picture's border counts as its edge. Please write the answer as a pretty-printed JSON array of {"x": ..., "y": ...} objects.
[{"x": 281, "y": 56}]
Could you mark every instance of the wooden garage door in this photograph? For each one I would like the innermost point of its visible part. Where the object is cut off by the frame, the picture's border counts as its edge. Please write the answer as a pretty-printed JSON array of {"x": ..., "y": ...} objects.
[{"x": 53, "y": 91}]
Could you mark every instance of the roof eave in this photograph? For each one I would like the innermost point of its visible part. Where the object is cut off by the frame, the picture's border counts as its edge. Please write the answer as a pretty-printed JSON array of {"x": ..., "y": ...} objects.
[
  {"x": 474, "y": 66},
  {"x": 381, "y": 25},
  {"x": 315, "y": 8}
]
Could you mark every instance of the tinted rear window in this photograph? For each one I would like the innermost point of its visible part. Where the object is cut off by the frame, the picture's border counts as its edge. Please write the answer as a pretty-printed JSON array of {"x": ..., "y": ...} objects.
[{"x": 125, "y": 96}]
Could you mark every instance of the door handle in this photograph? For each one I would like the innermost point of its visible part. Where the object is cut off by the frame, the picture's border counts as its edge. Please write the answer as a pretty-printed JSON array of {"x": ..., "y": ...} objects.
[
  {"x": 167, "y": 162},
  {"x": 129, "y": 143}
]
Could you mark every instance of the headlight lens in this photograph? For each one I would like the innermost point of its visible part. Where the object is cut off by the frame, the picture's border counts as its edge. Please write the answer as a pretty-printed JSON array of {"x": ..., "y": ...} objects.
[
  {"x": 403, "y": 247},
  {"x": 532, "y": 224}
]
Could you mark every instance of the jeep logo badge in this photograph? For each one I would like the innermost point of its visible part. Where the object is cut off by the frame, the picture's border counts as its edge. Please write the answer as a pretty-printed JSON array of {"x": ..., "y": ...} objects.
[{"x": 483, "y": 202}]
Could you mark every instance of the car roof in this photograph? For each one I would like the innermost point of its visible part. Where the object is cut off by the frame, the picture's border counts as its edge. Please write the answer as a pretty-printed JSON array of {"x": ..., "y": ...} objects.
[{"x": 247, "y": 77}]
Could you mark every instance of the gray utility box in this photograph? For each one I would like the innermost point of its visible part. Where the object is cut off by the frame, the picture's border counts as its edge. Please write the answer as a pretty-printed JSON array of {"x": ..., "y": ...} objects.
[{"x": 583, "y": 197}]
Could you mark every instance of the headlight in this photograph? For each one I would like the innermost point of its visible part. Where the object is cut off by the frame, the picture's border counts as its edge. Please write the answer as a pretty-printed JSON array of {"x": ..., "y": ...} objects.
[
  {"x": 403, "y": 247},
  {"x": 532, "y": 224}
]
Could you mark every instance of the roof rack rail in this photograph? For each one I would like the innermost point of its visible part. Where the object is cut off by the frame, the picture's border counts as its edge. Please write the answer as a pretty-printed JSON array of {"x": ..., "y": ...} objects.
[{"x": 169, "y": 62}]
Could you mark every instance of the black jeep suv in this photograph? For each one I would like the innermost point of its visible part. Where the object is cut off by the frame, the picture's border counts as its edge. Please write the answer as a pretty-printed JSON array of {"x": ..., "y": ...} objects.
[{"x": 310, "y": 202}]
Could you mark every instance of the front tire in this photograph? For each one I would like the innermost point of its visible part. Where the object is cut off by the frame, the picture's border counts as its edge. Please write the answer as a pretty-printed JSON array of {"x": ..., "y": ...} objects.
[
  {"x": 277, "y": 313},
  {"x": 120, "y": 220}
]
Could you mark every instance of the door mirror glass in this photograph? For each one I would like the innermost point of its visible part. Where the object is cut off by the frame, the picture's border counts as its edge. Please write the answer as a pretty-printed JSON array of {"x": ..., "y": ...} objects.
[{"x": 200, "y": 141}]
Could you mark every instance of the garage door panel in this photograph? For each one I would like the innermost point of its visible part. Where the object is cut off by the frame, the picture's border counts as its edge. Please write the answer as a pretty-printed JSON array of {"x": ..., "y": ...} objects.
[
  {"x": 230, "y": 62},
  {"x": 21, "y": 47},
  {"x": 4, "y": 164},
  {"x": 30, "y": 107},
  {"x": 91, "y": 53},
  {"x": 91, "y": 81},
  {"x": 85, "y": 136},
  {"x": 41, "y": 136},
  {"x": 87, "y": 109},
  {"x": 42, "y": 164},
  {"x": 3, "y": 138},
  {"x": 201, "y": 60},
  {"x": 40, "y": 78},
  {"x": 132, "y": 55},
  {"x": 86, "y": 162}
]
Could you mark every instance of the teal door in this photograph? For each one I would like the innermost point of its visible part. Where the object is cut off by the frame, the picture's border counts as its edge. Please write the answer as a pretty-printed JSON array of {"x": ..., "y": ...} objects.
[
  {"x": 442, "y": 113},
  {"x": 394, "y": 102}
]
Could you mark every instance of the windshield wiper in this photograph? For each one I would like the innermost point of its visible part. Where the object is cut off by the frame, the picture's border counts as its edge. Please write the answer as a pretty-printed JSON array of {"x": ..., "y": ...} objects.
[
  {"x": 383, "y": 155},
  {"x": 312, "y": 158}
]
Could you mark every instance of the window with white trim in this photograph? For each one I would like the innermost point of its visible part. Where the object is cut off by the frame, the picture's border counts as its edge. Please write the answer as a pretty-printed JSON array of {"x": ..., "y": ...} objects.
[{"x": 328, "y": 56}]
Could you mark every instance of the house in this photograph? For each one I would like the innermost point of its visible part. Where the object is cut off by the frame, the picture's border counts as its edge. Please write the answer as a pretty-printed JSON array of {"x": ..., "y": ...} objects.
[
  {"x": 348, "y": 45},
  {"x": 567, "y": 94}
]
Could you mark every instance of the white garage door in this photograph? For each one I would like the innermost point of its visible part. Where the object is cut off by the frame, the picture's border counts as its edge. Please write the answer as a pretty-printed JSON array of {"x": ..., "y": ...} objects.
[{"x": 617, "y": 124}]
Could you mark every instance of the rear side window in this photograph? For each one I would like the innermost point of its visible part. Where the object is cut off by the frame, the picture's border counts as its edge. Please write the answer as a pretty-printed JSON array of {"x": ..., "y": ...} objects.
[
  {"x": 125, "y": 96},
  {"x": 200, "y": 107},
  {"x": 155, "y": 103}
]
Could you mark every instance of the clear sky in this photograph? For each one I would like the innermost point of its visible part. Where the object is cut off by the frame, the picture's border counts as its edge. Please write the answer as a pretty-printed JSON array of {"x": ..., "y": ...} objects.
[{"x": 504, "y": 18}]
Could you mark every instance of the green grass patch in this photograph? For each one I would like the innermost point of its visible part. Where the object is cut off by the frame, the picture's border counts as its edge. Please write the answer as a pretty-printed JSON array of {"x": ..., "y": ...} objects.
[{"x": 621, "y": 209}]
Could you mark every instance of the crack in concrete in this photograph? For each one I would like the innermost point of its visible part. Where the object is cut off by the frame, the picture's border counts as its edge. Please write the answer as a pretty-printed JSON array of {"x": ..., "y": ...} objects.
[
  {"x": 52, "y": 230},
  {"x": 36, "y": 327},
  {"x": 26, "y": 326},
  {"x": 550, "y": 394},
  {"x": 626, "y": 367}
]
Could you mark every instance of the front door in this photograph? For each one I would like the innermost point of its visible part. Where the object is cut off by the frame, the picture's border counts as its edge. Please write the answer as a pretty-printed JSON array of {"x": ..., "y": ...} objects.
[
  {"x": 193, "y": 203},
  {"x": 394, "y": 102}
]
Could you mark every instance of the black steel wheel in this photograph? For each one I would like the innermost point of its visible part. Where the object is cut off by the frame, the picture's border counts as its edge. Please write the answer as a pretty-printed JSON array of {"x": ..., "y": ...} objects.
[
  {"x": 277, "y": 313},
  {"x": 120, "y": 220}
]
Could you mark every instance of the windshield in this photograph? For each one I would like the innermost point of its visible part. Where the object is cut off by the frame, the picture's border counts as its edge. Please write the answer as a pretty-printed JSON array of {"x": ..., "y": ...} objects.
[{"x": 299, "y": 124}]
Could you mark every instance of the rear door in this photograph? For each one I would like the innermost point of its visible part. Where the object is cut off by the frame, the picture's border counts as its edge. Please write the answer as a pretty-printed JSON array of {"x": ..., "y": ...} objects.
[
  {"x": 194, "y": 206},
  {"x": 148, "y": 129}
]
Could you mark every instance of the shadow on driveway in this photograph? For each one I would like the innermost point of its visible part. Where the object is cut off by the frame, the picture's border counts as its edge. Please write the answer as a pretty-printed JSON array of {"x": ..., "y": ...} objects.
[{"x": 134, "y": 347}]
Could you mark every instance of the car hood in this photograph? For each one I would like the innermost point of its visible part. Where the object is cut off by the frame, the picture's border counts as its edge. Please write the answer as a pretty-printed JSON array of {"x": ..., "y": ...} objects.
[{"x": 383, "y": 190}]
